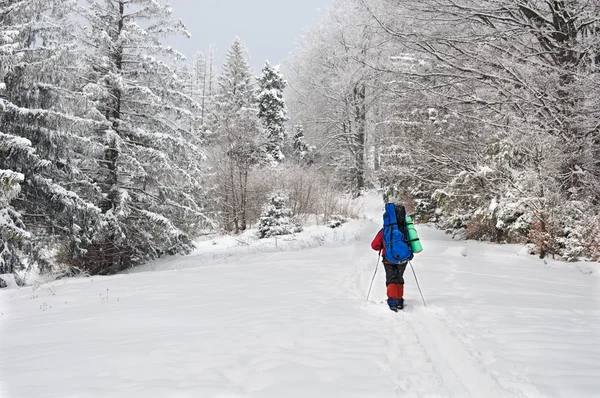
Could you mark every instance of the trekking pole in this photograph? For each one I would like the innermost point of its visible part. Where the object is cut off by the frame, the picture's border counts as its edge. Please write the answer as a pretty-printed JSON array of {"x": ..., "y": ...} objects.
[
  {"x": 415, "y": 274},
  {"x": 376, "y": 266}
]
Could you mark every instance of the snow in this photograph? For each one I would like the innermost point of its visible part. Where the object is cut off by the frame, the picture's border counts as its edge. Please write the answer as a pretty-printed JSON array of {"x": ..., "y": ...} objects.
[
  {"x": 287, "y": 317},
  {"x": 9, "y": 281},
  {"x": 484, "y": 170},
  {"x": 493, "y": 204}
]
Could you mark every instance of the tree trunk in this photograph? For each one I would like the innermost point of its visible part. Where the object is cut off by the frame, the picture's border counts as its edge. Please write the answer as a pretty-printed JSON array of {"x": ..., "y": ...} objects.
[{"x": 360, "y": 118}]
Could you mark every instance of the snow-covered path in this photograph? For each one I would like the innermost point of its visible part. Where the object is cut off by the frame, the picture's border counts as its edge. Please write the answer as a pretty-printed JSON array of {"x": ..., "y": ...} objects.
[{"x": 295, "y": 324}]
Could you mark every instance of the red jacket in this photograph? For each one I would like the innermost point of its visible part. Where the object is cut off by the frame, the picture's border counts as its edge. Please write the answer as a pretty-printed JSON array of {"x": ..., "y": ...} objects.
[{"x": 377, "y": 243}]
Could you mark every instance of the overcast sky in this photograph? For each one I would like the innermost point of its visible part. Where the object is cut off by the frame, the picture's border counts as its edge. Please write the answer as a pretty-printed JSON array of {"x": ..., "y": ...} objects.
[{"x": 270, "y": 28}]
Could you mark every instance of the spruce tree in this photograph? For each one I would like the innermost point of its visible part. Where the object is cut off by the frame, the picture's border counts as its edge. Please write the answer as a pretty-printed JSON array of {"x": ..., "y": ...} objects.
[
  {"x": 44, "y": 140},
  {"x": 12, "y": 229},
  {"x": 272, "y": 111},
  {"x": 276, "y": 217},
  {"x": 300, "y": 148},
  {"x": 236, "y": 137},
  {"x": 150, "y": 178},
  {"x": 235, "y": 89}
]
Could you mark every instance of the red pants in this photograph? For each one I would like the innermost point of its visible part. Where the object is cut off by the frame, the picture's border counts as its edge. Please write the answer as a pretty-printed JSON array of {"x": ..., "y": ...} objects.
[
  {"x": 394, "y": 279},
  {"x": 395, "y": 291}
]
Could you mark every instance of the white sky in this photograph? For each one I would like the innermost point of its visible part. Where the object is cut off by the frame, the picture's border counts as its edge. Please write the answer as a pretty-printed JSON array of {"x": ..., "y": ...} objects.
[{"x": 270, "y": 28}]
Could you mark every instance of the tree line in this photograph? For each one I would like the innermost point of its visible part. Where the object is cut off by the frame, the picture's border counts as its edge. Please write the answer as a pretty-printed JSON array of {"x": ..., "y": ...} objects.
[
  {"x": 481, "y": 115},
  {"x": 115, "y": 149}
]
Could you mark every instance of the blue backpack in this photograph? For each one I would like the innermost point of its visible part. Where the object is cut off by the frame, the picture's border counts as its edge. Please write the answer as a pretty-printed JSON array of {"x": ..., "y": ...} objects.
[{"x": 395, "y": 239}]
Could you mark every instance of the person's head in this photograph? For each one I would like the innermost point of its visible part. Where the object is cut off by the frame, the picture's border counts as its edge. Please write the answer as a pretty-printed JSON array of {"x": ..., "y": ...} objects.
[{"x": 403, "y": 200}]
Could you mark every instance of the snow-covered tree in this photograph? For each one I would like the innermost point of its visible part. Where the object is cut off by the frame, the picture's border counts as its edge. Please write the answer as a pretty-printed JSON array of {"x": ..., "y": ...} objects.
[
  {"x": 199, "y": 81},
  {"x": 12, "y": 230},
  {"x": 334, "y": 91},
  {"x": 204, "y": 81},
  {"x": 272, "y": 111},
  {"x": 237, "y": 131},
  {"x": 300, "y": 149},
  {"x": 150, "y": 176},
  {"x": 276, "y": 218},
  {"x": 510, "y": 75},
  {"x": 45, "y": 127},
  {"x": 482, "y": 113},
  {"x": 235, "y": 88}
]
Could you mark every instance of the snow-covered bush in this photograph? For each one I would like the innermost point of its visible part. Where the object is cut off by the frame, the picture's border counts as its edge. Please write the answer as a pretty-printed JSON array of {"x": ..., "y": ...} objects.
[
  {"x": 482, "y": 228},
  {"x": 513, "y": 220},
  {"x": 309, "y": 192},
  {"x": 336, "y": 220},
  {"x": 301, "y": 151},
  {"x": 276, "y": 218},
  {"x": 544, "y": 235},
  {"x": 578, "y": 233},
  {"x": 591, "y": 238}
]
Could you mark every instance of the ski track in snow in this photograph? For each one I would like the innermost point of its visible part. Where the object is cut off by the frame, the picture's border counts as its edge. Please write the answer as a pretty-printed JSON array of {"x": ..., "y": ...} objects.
[{"x": 243, "y": 323}]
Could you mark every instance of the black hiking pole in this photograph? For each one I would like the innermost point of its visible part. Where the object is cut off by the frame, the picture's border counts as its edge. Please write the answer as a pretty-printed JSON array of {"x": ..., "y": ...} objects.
[
  {"x": 416, "y": 280},
  {"x": 376, "y": 266}
]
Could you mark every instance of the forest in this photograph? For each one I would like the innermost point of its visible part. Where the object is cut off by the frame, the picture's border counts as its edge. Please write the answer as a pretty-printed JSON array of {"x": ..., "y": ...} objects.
[{"x": 481, "y": 116}]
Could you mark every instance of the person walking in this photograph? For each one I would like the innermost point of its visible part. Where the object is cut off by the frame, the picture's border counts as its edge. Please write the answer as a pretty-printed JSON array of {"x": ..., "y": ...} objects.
[{"x": 394, "y": 271}]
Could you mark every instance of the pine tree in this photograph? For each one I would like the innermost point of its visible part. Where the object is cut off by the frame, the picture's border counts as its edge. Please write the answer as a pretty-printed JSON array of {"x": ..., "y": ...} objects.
[
  {"x": 234, "y": 86},
  {"x": 300, "y": 148},
  {"x": 12, "y": 229},
  {"x": 236, "y": 137},
  {"x": 276, "y": 218},
  {"x": 45, "y": 126},
  {"x": 150, "y": 178},
  {"x": 272, "y": 111}
]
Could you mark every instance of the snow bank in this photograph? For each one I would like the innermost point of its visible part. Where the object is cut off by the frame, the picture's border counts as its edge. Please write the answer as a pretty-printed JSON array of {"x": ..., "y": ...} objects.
[{"x": 227, "y": 249}]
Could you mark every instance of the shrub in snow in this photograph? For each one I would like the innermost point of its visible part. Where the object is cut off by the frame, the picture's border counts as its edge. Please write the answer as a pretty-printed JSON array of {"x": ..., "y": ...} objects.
[
  {"x": 482, "y": 228},
  {"x": 336, "y": 220},
  {"x": 301, "y": 151},
  {"x": 579, "y": 236},
  {"x": 502, "y": 220},
  {"x": 8, "y": 281},
  {"x": 513, "y": 221},
  {"x": 310, "y": 192},
  {"x": 545, "y": 234},
  {"x": 276, "y": 218},
  {"x": 591, "y": 240},
  {"x": 570, "y": 232}
]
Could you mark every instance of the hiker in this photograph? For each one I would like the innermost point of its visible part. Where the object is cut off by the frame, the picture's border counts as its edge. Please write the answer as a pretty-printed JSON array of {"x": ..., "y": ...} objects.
[{"x": 394, "y": 270}]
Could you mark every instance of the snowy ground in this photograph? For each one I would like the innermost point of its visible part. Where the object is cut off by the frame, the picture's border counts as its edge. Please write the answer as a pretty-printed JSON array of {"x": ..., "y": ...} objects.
[{"x": 288, "y": 318}]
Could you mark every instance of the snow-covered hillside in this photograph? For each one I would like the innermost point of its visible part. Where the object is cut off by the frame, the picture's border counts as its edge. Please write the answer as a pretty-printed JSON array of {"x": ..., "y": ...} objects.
[{"x": 288, "y": 318}]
